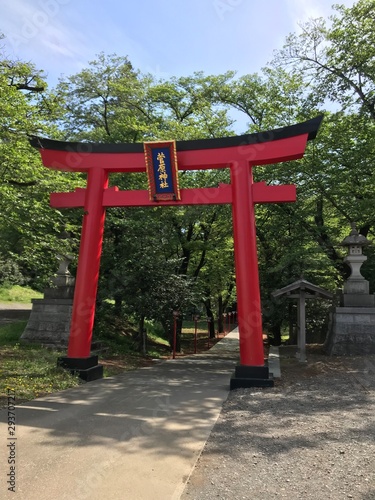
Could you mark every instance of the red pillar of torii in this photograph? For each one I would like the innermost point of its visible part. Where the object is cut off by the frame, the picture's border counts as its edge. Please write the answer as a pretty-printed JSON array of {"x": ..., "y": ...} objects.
[{"x": 240, "y": 154}]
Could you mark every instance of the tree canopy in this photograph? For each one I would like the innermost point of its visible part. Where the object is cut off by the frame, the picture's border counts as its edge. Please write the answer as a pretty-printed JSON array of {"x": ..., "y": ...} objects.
[{"x": 156, "y": 260}]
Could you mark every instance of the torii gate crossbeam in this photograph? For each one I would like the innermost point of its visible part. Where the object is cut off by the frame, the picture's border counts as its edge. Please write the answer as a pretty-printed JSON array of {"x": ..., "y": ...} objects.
[{"x": 240, "y": 154}]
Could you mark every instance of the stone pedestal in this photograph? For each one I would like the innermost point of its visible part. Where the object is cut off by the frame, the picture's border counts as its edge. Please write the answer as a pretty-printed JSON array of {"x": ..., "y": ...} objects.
[
  {"x": 352, "y": 331},
  {"x": 356, "y": 294},
  {"x": 49, "y": 321}
]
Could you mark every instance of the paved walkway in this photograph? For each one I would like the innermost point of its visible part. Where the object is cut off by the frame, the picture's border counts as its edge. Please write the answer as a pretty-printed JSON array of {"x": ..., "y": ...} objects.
[{"x": 134, "y": 436}]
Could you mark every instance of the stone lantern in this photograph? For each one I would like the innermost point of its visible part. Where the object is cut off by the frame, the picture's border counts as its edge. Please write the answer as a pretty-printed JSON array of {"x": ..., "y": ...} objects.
[
  {"x": 49, "y": 321},
  {"x": 352, "y": 324},
  {"x": 356, "y": 288}
]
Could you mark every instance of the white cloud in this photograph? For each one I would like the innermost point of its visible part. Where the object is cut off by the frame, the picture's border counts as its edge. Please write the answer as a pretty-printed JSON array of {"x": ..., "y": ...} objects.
[
  {"x": 301, "y": 11},
  {"x": 40, "y": 32},
  {"x": 25, "y": 20}
]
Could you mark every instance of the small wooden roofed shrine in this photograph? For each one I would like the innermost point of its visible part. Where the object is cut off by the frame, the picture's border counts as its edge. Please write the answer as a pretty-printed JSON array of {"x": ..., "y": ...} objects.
[{"x": 302, "y": 290}]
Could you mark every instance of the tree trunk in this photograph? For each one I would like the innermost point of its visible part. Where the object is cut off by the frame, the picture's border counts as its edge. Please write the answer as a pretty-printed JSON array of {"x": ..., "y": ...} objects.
[
  {"x": 118, "y": 305},
  {"x": 179, "y": 332},
  {"x": 323, "y": 239},
  {"x": 276, "y": 334},
  {"x": 211, "y": 322},
  {"x": 220, "y": 322},
  {"x": 142, "y": 336}
]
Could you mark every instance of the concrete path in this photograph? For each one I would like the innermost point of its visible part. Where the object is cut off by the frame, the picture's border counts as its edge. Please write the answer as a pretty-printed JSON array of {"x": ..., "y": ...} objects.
[{"x": 135, "y": 436}]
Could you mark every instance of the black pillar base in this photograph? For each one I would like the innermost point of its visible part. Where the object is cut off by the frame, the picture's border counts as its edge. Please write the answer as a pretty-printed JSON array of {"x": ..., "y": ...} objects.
[
  {"x": 251, "y": 376},
  {"x": 87, "y": 369}
]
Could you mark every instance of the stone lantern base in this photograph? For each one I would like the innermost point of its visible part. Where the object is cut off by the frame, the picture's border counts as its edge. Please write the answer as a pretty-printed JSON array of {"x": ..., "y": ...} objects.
[
  {"x": 351, "y": 331},
  {"x": 356, "y": 293},
  {"x": 49, "y": 321}
]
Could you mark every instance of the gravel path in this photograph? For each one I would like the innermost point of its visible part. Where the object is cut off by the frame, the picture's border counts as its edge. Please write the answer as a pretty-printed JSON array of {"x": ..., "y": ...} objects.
[{"x": 310, "y": 437}]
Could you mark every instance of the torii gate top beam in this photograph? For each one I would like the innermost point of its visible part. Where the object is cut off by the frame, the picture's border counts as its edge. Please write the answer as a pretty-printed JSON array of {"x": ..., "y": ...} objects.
[{"x": 283, "y": 144}]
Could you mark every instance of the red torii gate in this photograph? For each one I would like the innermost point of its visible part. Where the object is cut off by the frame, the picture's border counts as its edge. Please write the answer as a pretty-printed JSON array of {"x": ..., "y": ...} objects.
[{"x": 240, "y": 154}]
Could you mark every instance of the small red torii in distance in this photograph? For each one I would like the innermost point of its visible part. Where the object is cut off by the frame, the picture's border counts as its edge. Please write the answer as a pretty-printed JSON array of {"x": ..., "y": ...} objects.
[{"x": 240, "y": 154}]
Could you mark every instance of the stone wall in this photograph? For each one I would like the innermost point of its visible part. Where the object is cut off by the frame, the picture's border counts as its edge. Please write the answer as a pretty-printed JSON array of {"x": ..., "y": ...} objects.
[
  {"x": 351, "y": 331},
  {"x": 49, "y": 322}
]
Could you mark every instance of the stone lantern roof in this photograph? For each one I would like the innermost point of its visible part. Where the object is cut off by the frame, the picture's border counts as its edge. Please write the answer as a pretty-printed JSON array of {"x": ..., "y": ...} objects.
[{"x": 355, "y": 238}]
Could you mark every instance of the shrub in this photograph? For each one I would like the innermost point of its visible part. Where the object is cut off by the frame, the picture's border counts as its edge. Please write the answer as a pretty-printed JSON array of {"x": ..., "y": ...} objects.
[{"x": 10, "y": 273}]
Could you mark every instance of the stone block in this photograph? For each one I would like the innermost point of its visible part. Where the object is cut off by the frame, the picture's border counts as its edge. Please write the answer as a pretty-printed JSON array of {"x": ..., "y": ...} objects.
[
  {"x": 356, "y": 287},
  {"x": 368, "y": 330},
  {"x": 351, "y": 331},
  {"x": 362, "y": 318},
  {"x": 353, "y": 300},
  {"x": 343, "y": 329},
  {"x": 59, "y": 293},
  {"x": 51, "y": 301},
  {"x": 344, "y": 318},
  {"x": 49, "y": 322}
]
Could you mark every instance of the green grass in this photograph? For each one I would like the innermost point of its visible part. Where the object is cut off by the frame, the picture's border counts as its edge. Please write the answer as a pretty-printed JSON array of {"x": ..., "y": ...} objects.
[
  {"x": 156, "y": 339},
  {"x": 10, "y": 334},
  {"x": 189, "y": 327},
  {"x": 18, "y": 293},
  {"x": 29, "y": 370}
]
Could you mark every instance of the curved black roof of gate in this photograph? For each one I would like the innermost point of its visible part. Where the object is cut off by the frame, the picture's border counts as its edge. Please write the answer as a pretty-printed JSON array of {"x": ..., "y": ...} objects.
[{"x": 309, "y": 127}]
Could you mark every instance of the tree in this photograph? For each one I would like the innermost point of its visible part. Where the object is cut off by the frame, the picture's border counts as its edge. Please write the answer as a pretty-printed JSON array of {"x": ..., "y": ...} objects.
[
  {"x": 188, "y": 108},
  {"x": 110, "y": 101},
  {"x": 139, "y": 274},
  {"x": 29, "y": 228},
  {"x": 334, "y": 180},
  {"x": 106, "y": 102},
  {"x": 339, "y": 59},
  {"x": 272, "y": 99}
]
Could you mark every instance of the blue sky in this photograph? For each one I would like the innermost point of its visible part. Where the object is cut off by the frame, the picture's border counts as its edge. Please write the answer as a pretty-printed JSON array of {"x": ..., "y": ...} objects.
[{"x": 164, "y": 37}]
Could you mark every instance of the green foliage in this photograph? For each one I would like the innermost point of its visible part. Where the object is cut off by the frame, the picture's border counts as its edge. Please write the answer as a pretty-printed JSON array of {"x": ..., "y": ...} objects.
[
  {"x": 273, "y": 99},
  {"x": 10, "y": 273},
  {"x": 338, "y": 58},
  {"x": 29, "y": 228},
  {"x": 106, "y": 102},
  {"x": 156, "y": 261},
  {"x": 137, "y": 272}
]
